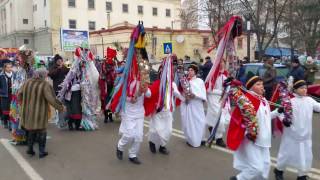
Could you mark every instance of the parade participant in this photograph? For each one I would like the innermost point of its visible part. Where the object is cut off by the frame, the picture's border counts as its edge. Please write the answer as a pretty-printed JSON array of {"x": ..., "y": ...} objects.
[
  {"x": 24, "y": 70},
  {"x": 6, "y": 93},
  {"x": 35, "y": 96},
  {"x": 160, "y": 107},
  {"x": 251, "y": 144},
  {"x": 79, "y": 90},
  {"x": 296, "y": 142},
  {"x": 214, "y": 97},
  {"x": 131, "y": 128},
  {"x": 106, "y": 82},
  {"x": 129, "y": 93},
  {"x": 192, "y": 109}
]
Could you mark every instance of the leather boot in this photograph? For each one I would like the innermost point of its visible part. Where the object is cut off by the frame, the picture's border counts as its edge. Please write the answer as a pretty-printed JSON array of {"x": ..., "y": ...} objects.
[
  {"x": 106, "y": 116},
  {"x": 278, "y": 174},
  {"x": 303, "y": 178},
  {"x": 42, "y": 144},
  {"x": 220, "y": 142},
  {"x": 31, "y": 139},
  {"x": 70, "y": 124},
  {"x": 110, "y": 116},
  {"x": 77, "y": 124},
  {"x": 163, "y": 150},
  {"x": 135, "y": 160},
  {"x": 152, "y": 147}
]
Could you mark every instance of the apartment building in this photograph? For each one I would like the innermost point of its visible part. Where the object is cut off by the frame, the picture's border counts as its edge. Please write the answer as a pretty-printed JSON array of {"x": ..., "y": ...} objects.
[{"x": 38, "y": 23}]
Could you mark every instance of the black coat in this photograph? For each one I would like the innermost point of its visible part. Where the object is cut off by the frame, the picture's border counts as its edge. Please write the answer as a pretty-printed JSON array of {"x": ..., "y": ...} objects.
[
  {"x": 3, "y": 85},
  {"x": 57, "y": 75}
]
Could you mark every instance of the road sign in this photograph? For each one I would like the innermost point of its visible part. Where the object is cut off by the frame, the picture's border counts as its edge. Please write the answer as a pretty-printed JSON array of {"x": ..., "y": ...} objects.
[{"x": 167, "y": 48}]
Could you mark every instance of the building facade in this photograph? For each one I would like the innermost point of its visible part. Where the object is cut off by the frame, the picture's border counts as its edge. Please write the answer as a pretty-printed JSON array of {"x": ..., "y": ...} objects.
[
  {"x": 38, "y": 24},
  {"x": 188, "y": 42}
]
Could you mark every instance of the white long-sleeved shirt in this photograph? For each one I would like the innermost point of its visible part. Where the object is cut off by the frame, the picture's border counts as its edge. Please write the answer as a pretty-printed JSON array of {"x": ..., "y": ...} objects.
[
  {"x": 303, "y": 107},
  {"x": 136, "y": 110}
]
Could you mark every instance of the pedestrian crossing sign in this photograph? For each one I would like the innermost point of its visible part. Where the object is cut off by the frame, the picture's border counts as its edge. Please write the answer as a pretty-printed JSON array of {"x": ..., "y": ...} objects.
[{"x": 167, "y": 48}]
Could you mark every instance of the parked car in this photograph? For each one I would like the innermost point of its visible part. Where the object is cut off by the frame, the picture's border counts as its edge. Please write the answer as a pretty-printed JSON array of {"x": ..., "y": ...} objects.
[
  {"x": 314, "y": 90},
  {"x": 282, "y": 71}
]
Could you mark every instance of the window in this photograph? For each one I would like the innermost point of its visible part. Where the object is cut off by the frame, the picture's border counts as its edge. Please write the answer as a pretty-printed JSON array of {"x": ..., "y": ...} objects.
[
  {"x": 72, "y": 24},
  {"x": 109, "y": 6},
  {"x": 25, "y": 41},
  {"x": 140, "y": 9},
  {"x": 125, "y": 8},
  {"x": 240, "y": 42},
  {"x": 155, "y": 11},
  {"x": 25, "y": 21},
  {"x": 44, "y": 3},
  {"x": 205, "y": 42},
  {"x": 168, "y": 13},
  {"x": 90, "y": 4},
  {"x": 92, "y": 25},
  {"x": 72, "y": 3},
  {"x": 45, "y": 23},
  {"x": 35, "y": 8}
]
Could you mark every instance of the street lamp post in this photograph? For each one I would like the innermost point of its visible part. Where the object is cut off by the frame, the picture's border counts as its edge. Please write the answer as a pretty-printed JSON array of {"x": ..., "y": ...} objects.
[
  {"x": 108, "y": 19},
  {"x": 102, "y": 45},
  {"x": 247, "y": 17}
]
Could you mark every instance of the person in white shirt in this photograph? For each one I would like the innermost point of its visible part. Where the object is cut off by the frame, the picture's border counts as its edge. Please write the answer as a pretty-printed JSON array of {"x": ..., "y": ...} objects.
[
  {"x": 296, "y": 142},
  {"x": 131, "y": 128},
  {"x": 252, "y": 157},
  {"x": 192, "y": 109},
  {"x": 214, "y": 107}
]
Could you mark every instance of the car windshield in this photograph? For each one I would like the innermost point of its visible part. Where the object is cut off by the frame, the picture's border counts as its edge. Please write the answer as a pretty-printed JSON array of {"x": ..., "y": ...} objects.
[{"x": 282, "y": 71}]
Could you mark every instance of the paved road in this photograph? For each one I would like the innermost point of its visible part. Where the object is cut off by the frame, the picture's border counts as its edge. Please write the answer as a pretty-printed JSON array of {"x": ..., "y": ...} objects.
[{"x": 91, "y": 156}]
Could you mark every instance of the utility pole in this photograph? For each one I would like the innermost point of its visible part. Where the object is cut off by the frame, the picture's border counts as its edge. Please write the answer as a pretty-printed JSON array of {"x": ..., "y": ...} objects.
[{"x": 247, "y": 17}]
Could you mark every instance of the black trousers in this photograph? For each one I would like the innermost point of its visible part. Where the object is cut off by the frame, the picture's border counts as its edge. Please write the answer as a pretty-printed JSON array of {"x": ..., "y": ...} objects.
[{"x": 40, "y": 136}]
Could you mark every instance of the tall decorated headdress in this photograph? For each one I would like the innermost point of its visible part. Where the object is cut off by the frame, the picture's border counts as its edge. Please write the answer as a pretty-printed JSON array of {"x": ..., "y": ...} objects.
[
  {"x": 226, "y": 36},
  {"x": 26, "y": 59},
  {"x": 136, "y": 71}
]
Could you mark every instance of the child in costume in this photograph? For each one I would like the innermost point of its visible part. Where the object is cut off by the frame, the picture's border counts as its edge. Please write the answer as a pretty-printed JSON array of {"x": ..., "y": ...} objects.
[
  {"x": 296, "y": 142},
  {"x": 249, "y": 133},
  {"x": 106, "y": 82},
  {"x": 6, "y": 93},
  {"x": 160, "y": 107},
  {"x": 215, "y": 111}
]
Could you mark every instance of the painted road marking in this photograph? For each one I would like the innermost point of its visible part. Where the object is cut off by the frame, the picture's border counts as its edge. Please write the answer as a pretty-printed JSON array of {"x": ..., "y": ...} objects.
[
  {"x": 314, "y": 173},
  {"x": 27, "y": 168}
]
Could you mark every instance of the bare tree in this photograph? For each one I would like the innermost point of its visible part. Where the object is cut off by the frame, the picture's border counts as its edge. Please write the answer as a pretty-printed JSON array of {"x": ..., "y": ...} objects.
[
  {"x": 216, "y": 13},
  {"x": 265, "y": 16},
  {"x": 302, "y": 20},
  {"x": 189, "y": 14}
]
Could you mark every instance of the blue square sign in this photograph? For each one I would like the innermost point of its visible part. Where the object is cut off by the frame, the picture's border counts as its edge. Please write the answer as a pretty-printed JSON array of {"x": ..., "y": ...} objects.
[{"x": 167, "y": 48}]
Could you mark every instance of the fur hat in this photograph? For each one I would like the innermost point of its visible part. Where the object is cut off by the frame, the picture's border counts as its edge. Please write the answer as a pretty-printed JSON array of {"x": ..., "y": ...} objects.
[
  {"x": 252, "y": 79},
  {"x": 298, "y": 83}
]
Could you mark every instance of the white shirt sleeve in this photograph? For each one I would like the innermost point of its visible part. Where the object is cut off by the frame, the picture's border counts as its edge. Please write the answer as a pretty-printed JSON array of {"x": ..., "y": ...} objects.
[
  {"x": 176, "y": 92},
  {"x": 316, "y": 106}
]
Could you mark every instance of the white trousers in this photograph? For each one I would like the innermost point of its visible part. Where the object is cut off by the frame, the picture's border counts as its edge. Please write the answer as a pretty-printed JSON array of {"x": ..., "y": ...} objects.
[
  {"x": 160, "y": 128},
  {"x": 134, "y": 145},
  {"x": 253, "y": 161}
]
